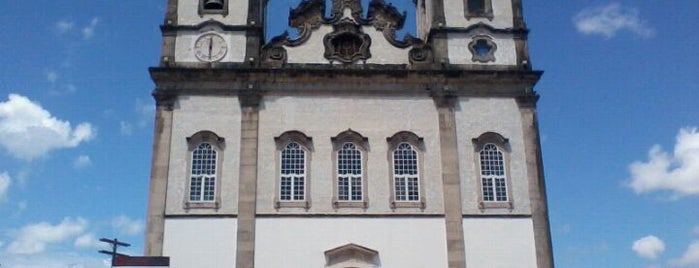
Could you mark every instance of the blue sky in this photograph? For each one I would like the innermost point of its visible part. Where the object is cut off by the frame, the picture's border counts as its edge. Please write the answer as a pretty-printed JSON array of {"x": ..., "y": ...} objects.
[{"x": 618, "y": 118}]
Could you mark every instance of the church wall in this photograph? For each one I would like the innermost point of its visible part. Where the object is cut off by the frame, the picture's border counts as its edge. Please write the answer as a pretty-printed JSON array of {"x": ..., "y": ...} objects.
[
  {"x": 459, "y": 53},
  {"x": 502, "y": 14},
  {"x": 184, "y": 47},
  {"x": 200, "y": 242},
  {"x": 301, "y": 242},
  {"x": 475, "y": 116},
  {"x": 221, "y": 115},
  {"x": 323, "y": 117},
  {"x": 499, "y": 243},
  {"x": 312, "y": 50},
  {"x": 188, "y": 14}
]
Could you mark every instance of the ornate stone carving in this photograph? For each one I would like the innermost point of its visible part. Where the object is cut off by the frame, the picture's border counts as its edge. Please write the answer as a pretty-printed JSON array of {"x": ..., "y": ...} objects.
[{"x": 347, "y": 43}]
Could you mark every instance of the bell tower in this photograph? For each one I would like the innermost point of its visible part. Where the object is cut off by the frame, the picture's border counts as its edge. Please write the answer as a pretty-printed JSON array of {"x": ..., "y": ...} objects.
[{"x": 346, "y": 146}]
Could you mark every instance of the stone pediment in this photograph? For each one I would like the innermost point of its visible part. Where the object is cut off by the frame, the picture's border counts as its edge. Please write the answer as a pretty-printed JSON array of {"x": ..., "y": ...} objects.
[
  {"x": 352, "y": 255},
  {"x": 347, "y": 34}
]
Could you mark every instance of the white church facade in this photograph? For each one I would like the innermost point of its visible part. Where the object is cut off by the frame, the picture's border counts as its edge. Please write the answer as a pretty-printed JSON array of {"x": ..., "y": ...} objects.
[{"x": 345, "y": 146}]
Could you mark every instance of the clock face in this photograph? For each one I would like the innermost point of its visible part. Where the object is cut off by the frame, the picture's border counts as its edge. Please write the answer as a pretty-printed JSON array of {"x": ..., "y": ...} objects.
[{"x": 210, "y": 47}]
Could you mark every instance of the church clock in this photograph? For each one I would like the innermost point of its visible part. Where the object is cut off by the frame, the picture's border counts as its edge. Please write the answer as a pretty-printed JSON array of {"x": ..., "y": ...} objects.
[{"x": 210, "y": 47}]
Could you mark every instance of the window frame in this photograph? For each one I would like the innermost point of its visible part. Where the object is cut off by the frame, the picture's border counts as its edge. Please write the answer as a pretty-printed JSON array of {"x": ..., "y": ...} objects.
[
  {"x": 418, "y": 145},
  {"x": 205, "y": 11},
  {"x": 217, "y": 143},
  {"x": 503, "y": 146},
  {"x": 477, "y": 57},
  {"x": 306, "y": 145},
  {"x": 362, "y": 145},
  {"x": 487, "y": 10}
]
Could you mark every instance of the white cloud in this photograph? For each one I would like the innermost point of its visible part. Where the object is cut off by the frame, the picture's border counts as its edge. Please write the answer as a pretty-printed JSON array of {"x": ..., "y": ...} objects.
[
  {"x": 610, "y": 19},
  {"x": 146, "y": 112},
  {"x": 649, "y": 247},
  {"x": 82, "y": 161},
  {"x": 89, "y": 30},
  {"x": 51, "y": 76},
  {"x": 34, "y": 238},
  {"x": 27, "y": 131},
  {"x": 125, "y": 225},
  {"x": 64, "y": 26},
  {"x": 689, "y": 258},
  {"x": 5, "y": 181},
  {"x": 125, "y": 128},
  {"x": 54, "y": 260},
  {"x": 677, "y": 172},
  {"x": 87, "y": 241}
]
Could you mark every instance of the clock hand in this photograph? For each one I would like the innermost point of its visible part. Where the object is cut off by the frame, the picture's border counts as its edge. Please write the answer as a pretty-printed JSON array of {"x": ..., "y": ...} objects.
[{"x": 211, "y": 46}]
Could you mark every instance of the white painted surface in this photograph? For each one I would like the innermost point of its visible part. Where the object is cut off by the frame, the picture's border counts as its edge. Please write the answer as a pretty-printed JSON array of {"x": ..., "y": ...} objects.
[
  {"x": 301, "y": 242},
  {"x": 505, "y": 54},
  {"x": 475, "y": 116},
  {"x": 221, "y": 115},
  {"x": 499, "y": 243},
  {"x": 373, "y": 117},
  {"x": 184, "y": 46},
  {"x": 454, "y": 12},
  {"x": 200, "y": 243},
  {"x": 188, "y": 13}
]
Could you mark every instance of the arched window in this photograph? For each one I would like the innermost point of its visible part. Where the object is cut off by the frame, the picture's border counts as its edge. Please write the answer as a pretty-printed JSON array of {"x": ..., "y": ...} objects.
[
  {"x": 492, "y": 155},
  {"x": 204, "y": 170},
  {"x": 349, "y": 173},
  {"x": 405, "y": 173},
  {"x": 478, "y": 8},
  {"x": 213, "y": 7},
  {"x": 493, "y": 177},
  {"x": 293, "y": 170},
  {"x": 405, "y": 159},
  {"x": 293, "y": 173},
  {"x": 202, "y": 186},
  {"x": 349, "y": 162}
]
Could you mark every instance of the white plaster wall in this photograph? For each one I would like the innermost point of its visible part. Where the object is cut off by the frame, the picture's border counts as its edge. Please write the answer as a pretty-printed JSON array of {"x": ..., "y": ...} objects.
[
  {"x": 301, "y": 242},
  {"x": 505, "y": 54},
  {"x": 188, "y": 13},
  {"x": 499, "y": 243},
  {"x": 382, "y": 52},
  {"x": 373, "y": 117},
  {"x": 312, "y": 50},
  {"x": 454, "y": 12},
  {"x": 475, "y": 116},
  {"x": 220, "y": 114},
  {"x": 200, "y": 243},
  {"x": 184, "y": 46}
]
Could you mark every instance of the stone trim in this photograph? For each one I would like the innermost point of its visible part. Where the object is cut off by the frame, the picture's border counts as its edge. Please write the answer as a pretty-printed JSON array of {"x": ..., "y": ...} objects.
[
  {"x": 306, "y": 144},
  {"x": 537, "y": 185},
  {"x": 247, "y": 190},
  {"x": 451, "y": 183},
  {"x": 504, "y": 145},
  {"x": 351, "y": 255},
  {"x": 362, "y": 144},
  {"x": 517, "y": 15},
  {"x": 160, "y": 166},
  {"x": 418, "y": 145},
  {"x": 219, "y": 145}
]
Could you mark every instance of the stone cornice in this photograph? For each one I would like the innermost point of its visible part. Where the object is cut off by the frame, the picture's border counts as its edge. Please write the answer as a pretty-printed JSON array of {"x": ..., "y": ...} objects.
[{"x": 370, "y": 81}]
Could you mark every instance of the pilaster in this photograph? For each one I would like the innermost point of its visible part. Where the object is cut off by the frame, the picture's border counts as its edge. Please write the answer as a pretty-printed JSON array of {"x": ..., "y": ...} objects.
[
  {"x": 536, "y": 183},
  {"x": 247, "y": 196},
  {"x": 255, "y": 31},
  {"x": 451, "y": 182},
  {"x": 159, "y": 174},
  {"x": 167, "y": 51}
]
